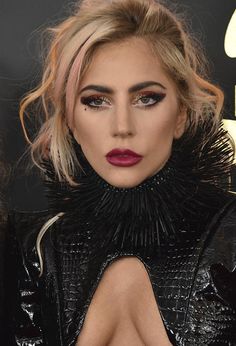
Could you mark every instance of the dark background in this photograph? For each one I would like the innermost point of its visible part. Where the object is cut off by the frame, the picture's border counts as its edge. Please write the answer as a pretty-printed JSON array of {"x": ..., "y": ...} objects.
[{"x": 21, "y": 25}]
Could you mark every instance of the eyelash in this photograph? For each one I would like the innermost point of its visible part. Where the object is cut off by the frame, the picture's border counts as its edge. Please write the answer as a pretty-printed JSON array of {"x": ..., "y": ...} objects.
[{"x": 157, "y": 97}]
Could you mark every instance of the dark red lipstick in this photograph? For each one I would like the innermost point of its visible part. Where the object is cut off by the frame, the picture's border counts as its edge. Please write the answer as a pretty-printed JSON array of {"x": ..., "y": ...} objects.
[{"x": 123, "y": 157}]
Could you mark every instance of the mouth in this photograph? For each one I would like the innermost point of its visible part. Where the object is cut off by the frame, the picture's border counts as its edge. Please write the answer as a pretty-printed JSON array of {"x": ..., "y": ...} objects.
[{"x": 123, "y": 157}]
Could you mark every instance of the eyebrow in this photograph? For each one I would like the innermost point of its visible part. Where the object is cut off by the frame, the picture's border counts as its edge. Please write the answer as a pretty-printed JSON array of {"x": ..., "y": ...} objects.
[{"x": 134, "y": 88}]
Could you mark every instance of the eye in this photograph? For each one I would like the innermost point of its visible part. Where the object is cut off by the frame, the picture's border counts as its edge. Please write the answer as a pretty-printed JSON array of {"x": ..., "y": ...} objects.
[
  {"x": 94, "y": 101},
  {"x": 149, "y": 99}
]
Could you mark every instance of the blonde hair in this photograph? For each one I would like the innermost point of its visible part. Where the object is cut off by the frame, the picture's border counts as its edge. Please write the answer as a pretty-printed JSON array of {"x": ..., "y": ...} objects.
[{"x": 71, "y": 48}]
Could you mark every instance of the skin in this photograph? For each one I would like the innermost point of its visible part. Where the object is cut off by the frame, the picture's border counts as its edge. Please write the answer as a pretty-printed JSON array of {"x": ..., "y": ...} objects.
[
  {"x": 122, "y": 119},
  {"x": 123, "y": 311}
]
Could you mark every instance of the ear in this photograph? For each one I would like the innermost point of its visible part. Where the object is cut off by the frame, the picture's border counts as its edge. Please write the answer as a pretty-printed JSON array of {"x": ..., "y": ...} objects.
[{"x": 180, "y": 123}]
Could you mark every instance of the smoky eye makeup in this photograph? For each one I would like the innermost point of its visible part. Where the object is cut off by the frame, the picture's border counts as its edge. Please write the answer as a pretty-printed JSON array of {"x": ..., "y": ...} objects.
[
  {"x": 147, "y": 96},
  {"x": 144, "y": 99},
  {"x": 94, "y": 101}
]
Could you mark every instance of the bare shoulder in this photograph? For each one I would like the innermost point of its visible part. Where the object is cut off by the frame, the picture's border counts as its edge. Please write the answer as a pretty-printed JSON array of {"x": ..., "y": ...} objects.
[{"x": 123, "y": 308}]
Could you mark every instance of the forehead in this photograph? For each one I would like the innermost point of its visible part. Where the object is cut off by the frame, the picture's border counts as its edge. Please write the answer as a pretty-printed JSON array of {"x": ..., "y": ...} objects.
[
  {"x": 125, "y": 63},
  {"x": 125, "y": 51}
]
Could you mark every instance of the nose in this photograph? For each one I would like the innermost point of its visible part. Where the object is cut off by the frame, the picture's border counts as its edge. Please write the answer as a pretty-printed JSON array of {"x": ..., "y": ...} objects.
[{"x": 123, "y": 124}]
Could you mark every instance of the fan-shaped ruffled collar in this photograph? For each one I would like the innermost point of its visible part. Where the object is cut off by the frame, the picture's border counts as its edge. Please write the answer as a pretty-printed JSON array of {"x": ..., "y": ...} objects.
[{"x": 162, "y": 208}]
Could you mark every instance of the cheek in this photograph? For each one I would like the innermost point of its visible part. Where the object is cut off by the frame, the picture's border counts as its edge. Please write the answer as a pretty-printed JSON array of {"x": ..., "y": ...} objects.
[
  {"x": 82, "y": 128},
  {"x": 90, "y": 134},
  {"x": 160, "y": 128}
]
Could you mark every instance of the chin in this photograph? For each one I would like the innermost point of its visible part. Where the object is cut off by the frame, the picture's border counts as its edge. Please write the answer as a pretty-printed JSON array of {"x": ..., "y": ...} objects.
[{"x": 124, "y": 181}]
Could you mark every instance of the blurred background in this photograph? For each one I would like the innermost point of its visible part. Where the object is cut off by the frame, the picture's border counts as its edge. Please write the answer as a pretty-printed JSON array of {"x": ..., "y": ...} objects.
[{"x": 213, "y": 22}]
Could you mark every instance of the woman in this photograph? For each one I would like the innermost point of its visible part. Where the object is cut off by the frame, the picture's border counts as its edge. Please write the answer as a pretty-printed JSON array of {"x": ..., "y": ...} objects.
[{"x": 137, "y": 245}]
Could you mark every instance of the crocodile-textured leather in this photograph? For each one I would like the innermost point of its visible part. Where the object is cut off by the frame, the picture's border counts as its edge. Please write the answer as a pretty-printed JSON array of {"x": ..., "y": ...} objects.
[
  {"x": 180, "y": 214},
  {"x": 194, "y": 284}
]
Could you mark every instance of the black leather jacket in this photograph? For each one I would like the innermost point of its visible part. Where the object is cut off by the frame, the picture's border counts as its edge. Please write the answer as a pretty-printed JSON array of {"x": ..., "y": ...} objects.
[{"x": 194, "y": 284}]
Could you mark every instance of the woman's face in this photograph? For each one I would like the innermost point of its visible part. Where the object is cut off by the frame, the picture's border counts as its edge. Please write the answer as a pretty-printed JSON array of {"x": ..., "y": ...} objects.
[{"x": 127, "y": 102}]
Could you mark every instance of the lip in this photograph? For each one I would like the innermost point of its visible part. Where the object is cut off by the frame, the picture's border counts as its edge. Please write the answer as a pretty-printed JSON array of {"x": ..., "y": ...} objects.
[{"x": 123, "y": 157}]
